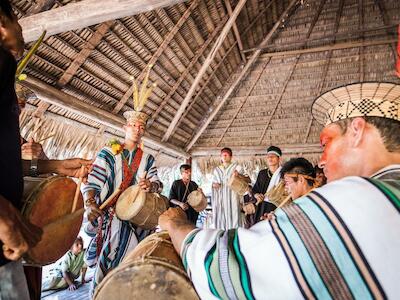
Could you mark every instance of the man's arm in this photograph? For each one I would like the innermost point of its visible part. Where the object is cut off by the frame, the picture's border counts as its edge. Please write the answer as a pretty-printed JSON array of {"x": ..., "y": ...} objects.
[
  {"x": 69, "y": 281},
  {"x": 68, "y": 167},
  {"x": 83, "y": 273}
]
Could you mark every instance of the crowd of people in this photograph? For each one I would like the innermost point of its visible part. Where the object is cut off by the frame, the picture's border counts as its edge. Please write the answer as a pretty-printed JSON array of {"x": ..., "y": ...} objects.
[{"x": 293, "y": 234}]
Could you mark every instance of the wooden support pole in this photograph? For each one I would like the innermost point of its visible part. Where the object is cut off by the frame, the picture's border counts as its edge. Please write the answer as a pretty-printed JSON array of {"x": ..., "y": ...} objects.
[
  {"x": 84, "y": 14},
  {"x": 54, "y": 96},
  {"x": 239, "y": 79},
  {"x": 204, "y": 68},
  {"x": 236, "y": 31}
]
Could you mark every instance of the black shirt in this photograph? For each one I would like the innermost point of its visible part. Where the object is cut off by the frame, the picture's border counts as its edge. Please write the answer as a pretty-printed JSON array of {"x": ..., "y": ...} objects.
[
  {"x": 178, "y": 192},
  {"x": 11, "y": 181}
]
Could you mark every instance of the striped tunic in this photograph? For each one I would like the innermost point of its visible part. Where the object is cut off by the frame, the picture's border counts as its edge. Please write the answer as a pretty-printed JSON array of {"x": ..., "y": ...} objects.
[
  {"x": 341, "y": 241},
  {"x": 118, "y": 237},
  {"x": 226, "y": 204}
]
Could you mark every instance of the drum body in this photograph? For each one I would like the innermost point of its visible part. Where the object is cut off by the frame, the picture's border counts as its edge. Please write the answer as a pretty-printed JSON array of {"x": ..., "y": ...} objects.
[
  {"x": 46, "y": 200},
  {"x": 140, "y": 208},
  {"x": 238, "y": 184},
  {"x": 197, "y": 200},
  {"x": 153, "y": 270},
  {"x": 278, "y": 194}
]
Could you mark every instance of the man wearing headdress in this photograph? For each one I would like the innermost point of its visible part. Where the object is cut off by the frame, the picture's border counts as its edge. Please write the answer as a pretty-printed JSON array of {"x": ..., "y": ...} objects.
[
  {"x": 117, "y": 166},
  {"x": 257, "y": 204},
  {"x": 226, "y": 204},
  {"x": 340, "y": 241}
]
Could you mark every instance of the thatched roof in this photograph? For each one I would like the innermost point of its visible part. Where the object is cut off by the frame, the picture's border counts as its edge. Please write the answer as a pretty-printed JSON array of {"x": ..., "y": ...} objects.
[{"x": 271, "y": 103}]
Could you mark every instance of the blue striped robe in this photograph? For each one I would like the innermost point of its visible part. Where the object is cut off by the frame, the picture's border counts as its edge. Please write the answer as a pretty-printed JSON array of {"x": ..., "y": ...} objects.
[
  {"x": 119, "y": 237},
  {"x": 341, "y": 241}
]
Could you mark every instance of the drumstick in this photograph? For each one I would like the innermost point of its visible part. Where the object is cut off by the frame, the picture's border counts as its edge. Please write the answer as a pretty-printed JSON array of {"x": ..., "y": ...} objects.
[
  {"x": 138, "y": 190},
  {"x": 77, "y": 191},
  {"x": 105, "y": 203},
  {"x": 287, "y": 199}
]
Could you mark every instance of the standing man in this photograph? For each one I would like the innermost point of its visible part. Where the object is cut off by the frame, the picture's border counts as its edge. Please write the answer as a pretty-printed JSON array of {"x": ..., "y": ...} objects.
[
  {"x": 16, "y": 234},
  {"x": 117, "y": 167},
  {"x": 340, "y": 241},
  {"x": 181, "y": 189},
  {"x": 266, "y": 180},
  {"x": 226, "y": 204}
]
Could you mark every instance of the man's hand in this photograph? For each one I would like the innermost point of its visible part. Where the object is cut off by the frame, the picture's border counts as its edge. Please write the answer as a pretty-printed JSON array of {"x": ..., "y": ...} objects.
[
  {"x": 259, "y": 198},
  {"x": 183, "y": 205},
  {"x": 31, "y": 149},
  {"x": 216, "y": 185},
  {"x": 17, "y": 234},
  {"x": 73, "y": 167},
  {"x": 145, "y": 184},
  {"x": 172, "y": 215},
  {"x": 93, "y": 212},
  {"x": 268, "y": 216},
  {"x": 72, "y": 287},
  {"x": 249, "y": 209}
]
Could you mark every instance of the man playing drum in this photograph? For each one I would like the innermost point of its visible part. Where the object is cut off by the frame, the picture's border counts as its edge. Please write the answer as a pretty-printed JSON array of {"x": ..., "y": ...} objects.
[
  {"x": 339, "y": 241},
  {"x": 16, "y": 234},
  {"x": 226, "y": 204},
  {"x": 117, "y": 167},
  {"x": 180, "y": 191}
]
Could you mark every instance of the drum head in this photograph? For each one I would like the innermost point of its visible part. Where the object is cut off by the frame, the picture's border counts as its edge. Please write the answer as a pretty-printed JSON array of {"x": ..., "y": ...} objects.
[
  {"x": 47, "y": 203},
  {"x": 146, "y": 279},
  {"x": 130, "y": 203}
]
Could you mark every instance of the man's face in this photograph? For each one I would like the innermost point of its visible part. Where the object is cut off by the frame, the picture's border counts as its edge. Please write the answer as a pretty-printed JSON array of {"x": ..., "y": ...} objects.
[
  {"x": 186, "y": 174},
  {"x": 295, "y": 188},
  {"x": 272, "y": 160},
  {"x": 11, "y": 35},
  {"x": 338, "y": 159},
  {"x": 226, "y": 157},
  {"x": 77, "y": 248},
  {"x": 134, "y": 132}
]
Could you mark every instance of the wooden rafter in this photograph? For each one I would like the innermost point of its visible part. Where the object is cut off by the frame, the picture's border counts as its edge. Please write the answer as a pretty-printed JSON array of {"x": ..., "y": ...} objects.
[
  {"x": 187, "y": 70},
  {"x": 84, "y": 14},
  {"x": 235, "y": 31},
  {"x": 329, "y": 56},
  {"x": 39, "y": 6},
  {"x": 244, "y": 71},
  {"x": 204, "y": 67},
  {"x": 386, "y": 22},
  {"x": 54, "y": 96},
  {"x": 248, "y": 93}
]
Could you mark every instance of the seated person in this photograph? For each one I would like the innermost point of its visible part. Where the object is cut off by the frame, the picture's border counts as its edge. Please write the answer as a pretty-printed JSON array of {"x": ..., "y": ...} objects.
[{"x": 67, "y": 269}]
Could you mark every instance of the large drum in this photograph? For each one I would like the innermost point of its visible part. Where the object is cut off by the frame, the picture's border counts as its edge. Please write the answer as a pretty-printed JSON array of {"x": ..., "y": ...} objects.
[
  {"x": 153, "y": 270},
  {"x": 278, "y": 195},
  {"x": 197, "y": 200},
  {"x": 49, "y": 201},
  {"x": 141, "y": 208},
  {"x": 238, "y": 184}
]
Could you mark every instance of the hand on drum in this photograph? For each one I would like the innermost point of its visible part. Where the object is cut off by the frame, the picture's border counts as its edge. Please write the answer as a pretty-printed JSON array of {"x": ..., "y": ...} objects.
[
  {"x": 270, "y": 216},
  {"x": 31, "y": 149},
  {"x": 184, "y": 206},
  {"x": 259, "y": 198},
  {"x": 171, "y": 216}
]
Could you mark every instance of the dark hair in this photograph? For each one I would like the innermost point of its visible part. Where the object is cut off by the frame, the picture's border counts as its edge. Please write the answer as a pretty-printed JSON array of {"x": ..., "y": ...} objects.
[
  {"x": 317, "y": 169},
  {"x": 185, "y": 167},
  {"x": 6, "y": 9},
  {"x": 229, "y": 150},
  {"x": 388, "y": 128},
  {"x": 299, "y": 165},
  {"x": 275, "y": 149},
  {"x": 79, "y": 239}
]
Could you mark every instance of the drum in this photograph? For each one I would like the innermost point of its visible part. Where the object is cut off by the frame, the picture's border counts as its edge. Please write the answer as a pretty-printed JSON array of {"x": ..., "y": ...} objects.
[
  {"x": 141, "y": 208},
  {"x": 47, "y": 201},
  {"x": 278, "y": 194},
  {"x": 197, "y": 200},
  {"x": 238, "y": 184},
  {"x": 153, "y": 270}
]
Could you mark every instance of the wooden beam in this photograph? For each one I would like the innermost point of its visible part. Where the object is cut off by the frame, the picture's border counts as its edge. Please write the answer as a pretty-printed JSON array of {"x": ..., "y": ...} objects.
[
  {"x": 235, "y": 31},
  {"x": 204, "y": 68},
  {"x": 248, "y": 93},
  {"x": 332, "y": 47},
  {"x": 158, "y": 52},
  {"x": 39, "y": 6},
  {"x": 84, "y": 14},
  {"x": 256, "y": 150},
  {"x": 239, "y": 79},
  {"x": 194, "y": 60},
  {"x": 54, "y": 96}
]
